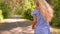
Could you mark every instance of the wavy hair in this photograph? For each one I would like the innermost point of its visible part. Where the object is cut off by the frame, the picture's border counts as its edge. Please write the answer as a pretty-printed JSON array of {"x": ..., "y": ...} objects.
[{"x": 45, "y": 9}]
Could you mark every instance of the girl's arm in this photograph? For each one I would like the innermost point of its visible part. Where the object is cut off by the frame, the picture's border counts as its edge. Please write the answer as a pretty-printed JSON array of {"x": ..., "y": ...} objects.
[{"x": 34, "y": 21}]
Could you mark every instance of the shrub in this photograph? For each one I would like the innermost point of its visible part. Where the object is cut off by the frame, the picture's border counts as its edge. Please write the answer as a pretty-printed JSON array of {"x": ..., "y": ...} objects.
[
  {"x": 1, "y": 16},
  {"x": 5, "y": 9},
  {"x": 56, "y": 7},
  {"x": 27, "y": 14}
]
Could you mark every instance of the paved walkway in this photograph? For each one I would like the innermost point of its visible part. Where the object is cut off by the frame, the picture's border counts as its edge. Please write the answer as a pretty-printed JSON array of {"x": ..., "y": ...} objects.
[{"x": 18, "y": 26}]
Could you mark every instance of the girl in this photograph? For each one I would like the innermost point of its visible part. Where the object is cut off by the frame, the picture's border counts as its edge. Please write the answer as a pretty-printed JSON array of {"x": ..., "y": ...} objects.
[{"x": 42, "y": 15}]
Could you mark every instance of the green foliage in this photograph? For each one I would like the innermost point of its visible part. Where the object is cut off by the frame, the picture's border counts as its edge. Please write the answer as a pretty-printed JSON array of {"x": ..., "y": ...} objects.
[
  {"x": 56, "y": 7},
  {"x": 19, "y": 10},
  {"x": 25, "y": 9},
  {"x": 28, "y": 4},
  {"x": 1, "y": 16},
  {"x": 5, "y": 9},
  {"x": 28, "y": 7},
  {"x": 27, "y": 14}
]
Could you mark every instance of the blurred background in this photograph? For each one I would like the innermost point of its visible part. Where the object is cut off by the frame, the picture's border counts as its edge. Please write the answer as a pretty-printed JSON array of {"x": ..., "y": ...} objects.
[{"x": 10, "y": 8}]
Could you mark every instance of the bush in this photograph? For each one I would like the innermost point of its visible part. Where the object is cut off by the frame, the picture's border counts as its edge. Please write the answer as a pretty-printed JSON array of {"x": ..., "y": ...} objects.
[
  {"x": 5, "y": 9},
  {"x": 18, "y": 11},
  {"x": 27, "y": 14},
  {"x": 1, "y": 16},
  {"x": 25, "y": 9},
  {"x": 56, "y": 7}
]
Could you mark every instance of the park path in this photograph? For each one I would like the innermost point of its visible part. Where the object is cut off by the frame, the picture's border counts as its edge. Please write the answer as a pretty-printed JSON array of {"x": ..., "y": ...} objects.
[{"x": 18, "y": 26}]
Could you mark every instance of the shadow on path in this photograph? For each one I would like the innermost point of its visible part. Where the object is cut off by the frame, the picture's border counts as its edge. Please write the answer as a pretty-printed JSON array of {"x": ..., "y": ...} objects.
[
  {"x": 16, "y": 25},
  {"x": 8, "y": 26}
]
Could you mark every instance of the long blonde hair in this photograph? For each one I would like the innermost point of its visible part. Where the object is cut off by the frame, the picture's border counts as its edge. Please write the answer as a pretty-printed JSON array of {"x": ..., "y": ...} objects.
[{"x": 45, "y": 9}]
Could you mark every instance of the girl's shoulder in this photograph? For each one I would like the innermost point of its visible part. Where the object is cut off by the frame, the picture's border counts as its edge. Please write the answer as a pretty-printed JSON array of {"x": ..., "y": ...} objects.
[{"x": 35, "y": 12}]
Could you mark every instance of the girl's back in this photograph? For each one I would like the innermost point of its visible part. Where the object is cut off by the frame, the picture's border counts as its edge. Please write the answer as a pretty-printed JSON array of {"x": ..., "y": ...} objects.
[{"x": 42, "y": 26}]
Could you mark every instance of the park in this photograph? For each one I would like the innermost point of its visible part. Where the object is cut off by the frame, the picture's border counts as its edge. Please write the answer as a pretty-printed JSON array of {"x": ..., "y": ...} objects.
[{"x": 15, "y": 16}]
